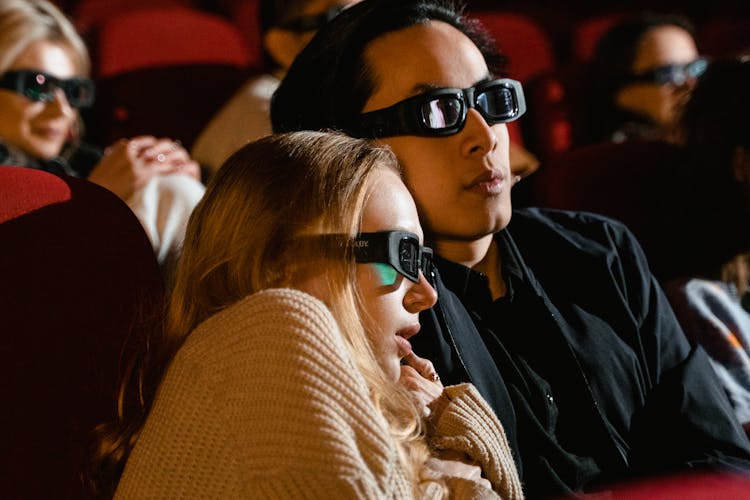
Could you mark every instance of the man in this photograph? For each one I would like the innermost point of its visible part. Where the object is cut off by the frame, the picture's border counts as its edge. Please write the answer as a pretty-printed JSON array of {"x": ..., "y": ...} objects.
[
  {"x": 555, "y": 317},
  {"x": 286, "y": 27}
]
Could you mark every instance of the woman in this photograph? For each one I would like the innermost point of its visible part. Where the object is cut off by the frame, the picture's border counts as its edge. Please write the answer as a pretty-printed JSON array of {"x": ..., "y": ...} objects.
[
  {"x": 43, "y": 82},
  {"x": 299, "y": 285},
  {"x": 643, "y": 69}
]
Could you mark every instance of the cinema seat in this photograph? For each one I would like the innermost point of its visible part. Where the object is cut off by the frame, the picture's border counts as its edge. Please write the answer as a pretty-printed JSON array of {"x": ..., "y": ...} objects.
[{"x": 78, "y": 277}]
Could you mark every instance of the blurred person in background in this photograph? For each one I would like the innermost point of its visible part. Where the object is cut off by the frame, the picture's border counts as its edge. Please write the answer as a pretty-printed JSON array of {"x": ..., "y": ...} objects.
[
  {"x": 44, "y": 67},
  {"x": 711, "y": 300},
  {"x": 642, "y": 71},
  {"x": 286, "y": 26}
]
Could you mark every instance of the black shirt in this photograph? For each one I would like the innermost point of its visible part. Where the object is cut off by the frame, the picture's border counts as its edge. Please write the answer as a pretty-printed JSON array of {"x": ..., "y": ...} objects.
[{"x": 526, "y": 346}]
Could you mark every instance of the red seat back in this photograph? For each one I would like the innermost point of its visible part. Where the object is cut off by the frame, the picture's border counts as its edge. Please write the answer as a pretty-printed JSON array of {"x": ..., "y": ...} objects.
[
  {"x": 78, "y": 275},
  {"x": 636, "y": 182},
  {"x": 588, "y": 31},
  {"x": 521, "y": 39},
  {"x": 163, "y": 36},
  {"x": 557, "y": 111}
]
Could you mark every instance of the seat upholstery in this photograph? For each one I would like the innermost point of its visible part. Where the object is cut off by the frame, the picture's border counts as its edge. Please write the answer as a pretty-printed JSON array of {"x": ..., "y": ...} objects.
[
  {"x": 78, "y": 277},
  {"x": 162, "y": 36}
]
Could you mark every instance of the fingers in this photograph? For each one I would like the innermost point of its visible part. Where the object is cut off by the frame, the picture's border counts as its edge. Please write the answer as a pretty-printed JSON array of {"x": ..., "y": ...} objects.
[
  {"x": 158, "y": 156},
  {"x": 423, "y": 366},
  {"x": 164, "y": 151}
]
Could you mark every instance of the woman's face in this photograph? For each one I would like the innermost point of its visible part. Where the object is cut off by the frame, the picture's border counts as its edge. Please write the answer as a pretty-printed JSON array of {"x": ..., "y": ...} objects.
[
  {"x": 391, "y": 312},
  {"x": 38, "y": 128},
  {"x": 663, "y": 45}
]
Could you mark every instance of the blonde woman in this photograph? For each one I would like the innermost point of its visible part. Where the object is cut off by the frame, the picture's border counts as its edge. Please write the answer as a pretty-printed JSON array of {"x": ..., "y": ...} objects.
[
  {"x": 44, "y": 67},
  {"x": 279, "y": 373}
]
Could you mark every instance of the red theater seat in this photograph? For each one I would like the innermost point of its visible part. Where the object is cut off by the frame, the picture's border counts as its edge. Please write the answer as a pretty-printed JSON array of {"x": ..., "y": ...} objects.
[
  {"x": 165, "y": 72},
  {"x": 521, "y": 39},
  {"x": 636, "y": 182},
  {"x": 167, "y": 36},
  {"x": 78, "y": 275}
]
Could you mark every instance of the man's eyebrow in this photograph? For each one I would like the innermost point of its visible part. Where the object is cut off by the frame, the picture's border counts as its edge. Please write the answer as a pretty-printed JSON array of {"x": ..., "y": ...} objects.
[{"x": 421, "y": 88}]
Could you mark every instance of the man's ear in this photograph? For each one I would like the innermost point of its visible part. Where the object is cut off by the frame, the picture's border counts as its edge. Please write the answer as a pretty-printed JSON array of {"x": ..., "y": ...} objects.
[{"x": 283, "y": 46}]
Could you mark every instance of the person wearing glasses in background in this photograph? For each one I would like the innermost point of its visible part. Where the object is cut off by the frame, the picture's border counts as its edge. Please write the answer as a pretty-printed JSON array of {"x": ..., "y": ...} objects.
[
  {"x": 279, "y": 371},
  {"x": 285, "y": 28},
  {"x": 642, "y": 72},
  {"x": 554, "y": 316},
  {"x": 43, "y": 83}
]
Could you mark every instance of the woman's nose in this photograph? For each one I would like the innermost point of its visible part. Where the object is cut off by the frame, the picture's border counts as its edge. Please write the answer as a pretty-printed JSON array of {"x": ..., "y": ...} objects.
[
  {"x": 421, "y": 296},
  {"x": 60, "y": 101}
]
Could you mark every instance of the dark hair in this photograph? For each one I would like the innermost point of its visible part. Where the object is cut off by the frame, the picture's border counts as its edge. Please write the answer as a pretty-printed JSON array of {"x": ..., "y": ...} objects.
[
  {"x": 273, "y": 13},
  {"x": 716, "y": 114},
  {"x": 611, "y": 67},
  {"x": 329, "y": 82},
  {"x": 712, "y": 126}
]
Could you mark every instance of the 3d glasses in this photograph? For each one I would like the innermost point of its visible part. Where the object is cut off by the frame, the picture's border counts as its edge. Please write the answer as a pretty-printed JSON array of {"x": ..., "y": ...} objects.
[
  {"x": 442, "y": 112},
  {"x": 673, "y": 74},
  {"x": 39, "y": 86},
  {"x": 393, "y": 252}
]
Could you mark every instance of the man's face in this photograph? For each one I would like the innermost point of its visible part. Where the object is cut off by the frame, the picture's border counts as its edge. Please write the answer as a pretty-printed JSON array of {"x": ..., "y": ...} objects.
[
  {"x": 293, "y": 42},
  {"x": 461, "y": 183}
]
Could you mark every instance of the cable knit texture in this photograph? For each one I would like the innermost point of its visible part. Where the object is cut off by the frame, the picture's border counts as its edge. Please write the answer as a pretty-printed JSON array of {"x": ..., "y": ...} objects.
[
  {"x": 262, "y": 401},
  {"x": 468, "y": 424}
]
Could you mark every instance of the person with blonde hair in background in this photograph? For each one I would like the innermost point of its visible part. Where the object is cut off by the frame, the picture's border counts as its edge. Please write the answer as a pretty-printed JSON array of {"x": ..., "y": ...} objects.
[
  {"x": 44, "y": 67},
  {"x": 278, "y": 373}
]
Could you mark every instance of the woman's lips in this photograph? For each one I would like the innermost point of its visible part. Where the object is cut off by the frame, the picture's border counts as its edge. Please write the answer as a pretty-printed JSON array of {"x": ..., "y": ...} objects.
[
  {"x": 404, "y": 346},
  {"x": 51, "y": 133}
]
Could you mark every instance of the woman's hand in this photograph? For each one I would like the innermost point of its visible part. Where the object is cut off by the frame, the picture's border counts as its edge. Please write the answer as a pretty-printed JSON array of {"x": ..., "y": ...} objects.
[
  {"x": 421, "y": 379},
  {"x": 165, "y": 153},
  {"x": 128, "y": 165}
]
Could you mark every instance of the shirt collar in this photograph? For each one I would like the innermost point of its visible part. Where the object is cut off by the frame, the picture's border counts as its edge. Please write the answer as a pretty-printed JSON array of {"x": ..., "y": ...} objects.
[{"x": 472, "y": 287}]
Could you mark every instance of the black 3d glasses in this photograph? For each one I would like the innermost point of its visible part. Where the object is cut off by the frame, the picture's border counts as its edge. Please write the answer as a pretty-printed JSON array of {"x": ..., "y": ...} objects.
[
  {"x": 311, "y": 23},
  {"x": 40, "y": 86},
  {"x": 442, "y": 112},
  {"x": 673, "y": 74},
  {"x": 394, "y": 252}
]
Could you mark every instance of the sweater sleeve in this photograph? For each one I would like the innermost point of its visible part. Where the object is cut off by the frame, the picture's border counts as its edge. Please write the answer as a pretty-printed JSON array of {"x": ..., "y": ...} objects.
[
  {"x": 262, "y": 401},
  {"x": 468, "y": 424}
]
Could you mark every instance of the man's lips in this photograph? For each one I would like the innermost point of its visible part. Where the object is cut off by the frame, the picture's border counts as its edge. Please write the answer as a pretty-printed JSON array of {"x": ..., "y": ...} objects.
[{"x": 491, "y": 182}]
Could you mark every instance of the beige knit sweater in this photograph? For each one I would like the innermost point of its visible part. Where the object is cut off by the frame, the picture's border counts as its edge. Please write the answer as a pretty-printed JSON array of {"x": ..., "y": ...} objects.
[{"x": 262, "y": 401}]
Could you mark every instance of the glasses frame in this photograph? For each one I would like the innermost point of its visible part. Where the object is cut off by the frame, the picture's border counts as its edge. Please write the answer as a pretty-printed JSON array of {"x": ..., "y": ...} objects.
[
  {"x": 385, "y": 247},
  {"x": 673, "y": 74},
  {"x": 406, "y": 117},
  {"x": 17, "y": 81}
]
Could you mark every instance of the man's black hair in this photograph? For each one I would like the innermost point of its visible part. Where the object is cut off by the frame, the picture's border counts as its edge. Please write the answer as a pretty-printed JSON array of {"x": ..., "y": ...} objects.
[{"x": 329, "y": 82}]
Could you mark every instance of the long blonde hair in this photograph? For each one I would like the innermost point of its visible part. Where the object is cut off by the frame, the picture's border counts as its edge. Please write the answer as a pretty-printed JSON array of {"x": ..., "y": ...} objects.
[
  {"x": 23, "y": 22},
  {"x": 240, "y": 240}
]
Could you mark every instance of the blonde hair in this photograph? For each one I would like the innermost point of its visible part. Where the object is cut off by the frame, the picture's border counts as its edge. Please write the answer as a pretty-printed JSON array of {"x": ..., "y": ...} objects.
[
  {"x": 23, "y": 22},
  {"x": 241, "y": 239}
]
